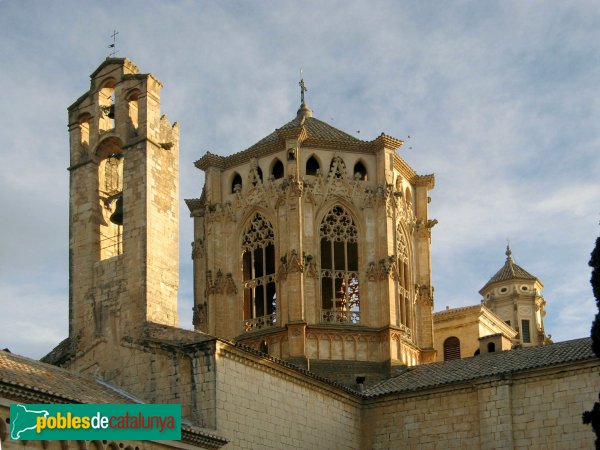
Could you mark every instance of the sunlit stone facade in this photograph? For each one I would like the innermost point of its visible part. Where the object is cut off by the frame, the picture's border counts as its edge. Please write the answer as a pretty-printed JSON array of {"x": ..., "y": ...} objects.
[{"x": 313, "y": 246}]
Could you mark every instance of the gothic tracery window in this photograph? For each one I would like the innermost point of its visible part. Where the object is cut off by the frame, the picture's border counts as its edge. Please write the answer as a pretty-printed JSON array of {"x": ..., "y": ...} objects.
[
  {"x": 340, "y": 288},
  {"x": 258, "y": 261},
  {"x": 403, "y": 302}
]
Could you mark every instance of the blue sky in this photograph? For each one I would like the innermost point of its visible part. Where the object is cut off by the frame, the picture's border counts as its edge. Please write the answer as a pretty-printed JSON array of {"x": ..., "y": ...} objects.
[{"x": 499, "y": 98}]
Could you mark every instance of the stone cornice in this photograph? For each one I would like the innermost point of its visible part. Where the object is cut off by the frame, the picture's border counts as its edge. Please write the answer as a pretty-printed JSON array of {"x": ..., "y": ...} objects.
[
  {"x": 425, "y": 180},
  {"x": 306, "y": 142}
]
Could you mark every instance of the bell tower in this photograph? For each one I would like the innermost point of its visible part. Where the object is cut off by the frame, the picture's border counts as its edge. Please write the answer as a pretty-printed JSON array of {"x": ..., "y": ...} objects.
[{"x": 123, "y": 208}]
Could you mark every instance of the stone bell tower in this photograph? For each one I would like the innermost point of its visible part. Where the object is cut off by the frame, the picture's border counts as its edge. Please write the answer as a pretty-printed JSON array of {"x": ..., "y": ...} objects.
[
  {"x": 123, "y": 210},
  {"x": 314, "y": 246}
]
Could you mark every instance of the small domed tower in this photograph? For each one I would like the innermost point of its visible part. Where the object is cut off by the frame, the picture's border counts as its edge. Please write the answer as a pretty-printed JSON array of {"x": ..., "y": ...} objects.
[{"x": 515, "y": 295}]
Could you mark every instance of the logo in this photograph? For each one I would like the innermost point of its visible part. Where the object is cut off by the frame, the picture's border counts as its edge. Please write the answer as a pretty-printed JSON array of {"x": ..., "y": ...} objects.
[{"x": 89, "y": 422}]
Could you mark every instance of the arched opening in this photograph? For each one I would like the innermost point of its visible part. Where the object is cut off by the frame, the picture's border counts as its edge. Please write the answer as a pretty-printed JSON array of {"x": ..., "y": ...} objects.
[
  {"x": 133, "y": 110},
  {"x": 110, "y": 190},
  {"x": 258, "y": 267},
  {"x": 236, "y": 183},
  {"x": 451, "y": 348},
  {"x": 340, "y": 288},
  {"x": 312, "y": 166},
  {"x": 84, "y": 127},
  {"x": 408, "y": 196},
  {"x": 278, "y": 171},
  {"x": 360, "y": 171},
  {"x": 106, "y": 103},
  {"x": 491, "y": 347}
]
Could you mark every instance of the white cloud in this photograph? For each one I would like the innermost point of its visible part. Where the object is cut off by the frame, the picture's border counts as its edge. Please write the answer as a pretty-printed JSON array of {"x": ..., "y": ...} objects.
[{"x": 500, "y": 100}]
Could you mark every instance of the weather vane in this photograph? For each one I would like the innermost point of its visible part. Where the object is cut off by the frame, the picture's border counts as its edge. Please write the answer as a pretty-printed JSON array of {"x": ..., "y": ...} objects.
[
  {"x": 302, "y": 88},
  {"x": 114, "y": 43}
]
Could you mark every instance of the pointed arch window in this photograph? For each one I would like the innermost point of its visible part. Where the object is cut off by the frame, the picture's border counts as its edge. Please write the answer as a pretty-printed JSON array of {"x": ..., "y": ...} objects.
[
  {"x": 236, "y": 183},
  {"x": 277, "y": 172},
  {"x": 360, "y": 171},
  {"x": 312, "y": 166},
  {"x": 404, "y": 308},
  {"x": 340, "y": 287},
  {"x": 258, "y": 266}
]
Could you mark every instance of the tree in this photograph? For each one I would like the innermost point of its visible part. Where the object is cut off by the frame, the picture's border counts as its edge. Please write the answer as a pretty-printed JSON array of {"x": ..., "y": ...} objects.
[{"x": 593, "y": 416}]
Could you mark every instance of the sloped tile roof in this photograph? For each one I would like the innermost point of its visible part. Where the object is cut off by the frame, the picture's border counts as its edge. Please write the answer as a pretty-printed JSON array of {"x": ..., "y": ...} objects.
[
  {"x": 488, "y": 365},
  {"x": 47, "y": 380},
  {"x": 38, "y": 382},
  {"x": 509, "y": 271},
  {"x": 311, "y": 131}
]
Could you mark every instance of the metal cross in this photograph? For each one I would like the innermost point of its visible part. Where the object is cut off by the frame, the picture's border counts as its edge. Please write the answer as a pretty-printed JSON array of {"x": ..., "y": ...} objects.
[
  {"x": 114, "y": 44},
  {"x": 302, "y": 89}
]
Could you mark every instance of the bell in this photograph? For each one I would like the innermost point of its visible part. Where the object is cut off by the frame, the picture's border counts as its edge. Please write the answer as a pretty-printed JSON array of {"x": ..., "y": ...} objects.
[
  {"x": 117, "y": 216},
  {"x": 111, "y": 112}
]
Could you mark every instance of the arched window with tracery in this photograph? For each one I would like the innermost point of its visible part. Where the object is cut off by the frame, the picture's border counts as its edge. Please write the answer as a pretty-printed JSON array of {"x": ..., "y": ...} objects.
[
  {"x": 340, "y": 288},
  {"x": 258, "y": 266},
  {"x": 451, "y": 348},
  {"x": 404, "y": 310}
]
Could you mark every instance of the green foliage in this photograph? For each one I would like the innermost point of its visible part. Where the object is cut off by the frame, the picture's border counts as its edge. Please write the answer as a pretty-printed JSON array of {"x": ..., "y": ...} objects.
[{"x": 593, "y": 417}]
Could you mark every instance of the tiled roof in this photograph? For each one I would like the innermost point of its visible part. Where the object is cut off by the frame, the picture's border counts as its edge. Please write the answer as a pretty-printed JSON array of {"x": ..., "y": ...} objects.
[
  {"x": 510, "y": 271},
  {"x": 315, "y": 128},
  {"x": 47, "y": 380},
  {"x": 156, "y": 332},
  {"x": 488, "y": 365},
  {"x": 33, "y": 381},
  {"x": 312, "y": 132}
]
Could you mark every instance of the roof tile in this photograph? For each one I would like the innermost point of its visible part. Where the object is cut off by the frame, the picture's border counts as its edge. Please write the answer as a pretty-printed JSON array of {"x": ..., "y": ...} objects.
[{"x": 489, "y": 365}]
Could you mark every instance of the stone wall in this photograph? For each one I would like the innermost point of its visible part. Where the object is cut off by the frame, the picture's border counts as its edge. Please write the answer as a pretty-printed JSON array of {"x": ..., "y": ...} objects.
[
  {"x": 536, "y": 410},
  {"x": 264, "y": 405}
]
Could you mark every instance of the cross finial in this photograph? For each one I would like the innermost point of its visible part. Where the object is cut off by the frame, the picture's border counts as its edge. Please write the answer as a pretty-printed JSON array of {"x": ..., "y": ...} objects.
[
  {"x": 302, "y": 88},
  {"x": 114, "y": 43}
]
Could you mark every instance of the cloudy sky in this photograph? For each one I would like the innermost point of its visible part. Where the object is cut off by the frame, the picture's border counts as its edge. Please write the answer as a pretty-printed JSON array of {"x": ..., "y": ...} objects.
[{"x": 501, "y": 100}]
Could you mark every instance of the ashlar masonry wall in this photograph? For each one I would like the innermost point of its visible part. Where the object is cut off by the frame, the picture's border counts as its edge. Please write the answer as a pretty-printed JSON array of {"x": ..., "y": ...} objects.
[
  {"x": 261, "y": 404},
  {"x": 439, "y": 419},
  {"x": 535, "y": 410}
]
